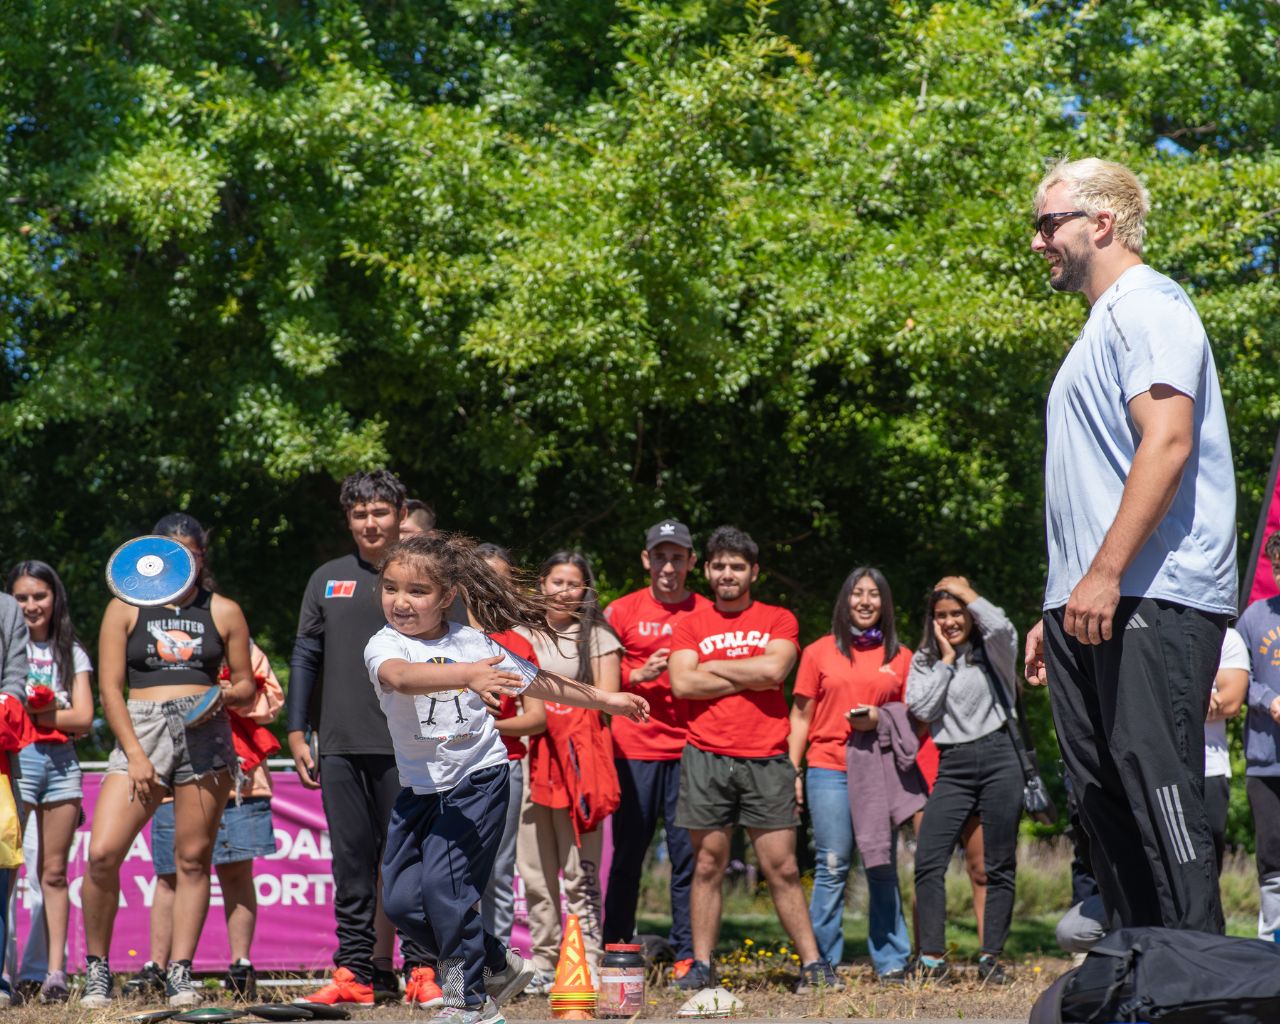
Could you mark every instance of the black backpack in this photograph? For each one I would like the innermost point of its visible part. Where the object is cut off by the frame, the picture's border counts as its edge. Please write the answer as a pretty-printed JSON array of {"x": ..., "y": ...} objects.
[{"x": 1168, "y": 976}]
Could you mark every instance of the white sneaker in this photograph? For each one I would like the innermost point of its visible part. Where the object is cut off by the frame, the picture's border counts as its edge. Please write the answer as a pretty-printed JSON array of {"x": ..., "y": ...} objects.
[
  {"x": 486, "y": 1014},
  {"x": 540, "y": 983},
  {"x": 509, "y": 982}
]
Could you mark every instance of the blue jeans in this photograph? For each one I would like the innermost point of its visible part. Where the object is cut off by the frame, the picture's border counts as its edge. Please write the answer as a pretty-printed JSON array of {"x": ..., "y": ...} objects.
[{"x": 827, "y": 793}]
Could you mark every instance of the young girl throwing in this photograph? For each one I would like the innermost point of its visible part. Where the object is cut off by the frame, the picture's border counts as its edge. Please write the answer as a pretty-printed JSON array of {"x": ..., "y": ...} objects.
[{"x": 435, "y": 680}]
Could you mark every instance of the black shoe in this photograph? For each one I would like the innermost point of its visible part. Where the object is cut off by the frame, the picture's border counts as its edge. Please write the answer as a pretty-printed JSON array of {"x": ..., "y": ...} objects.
[
  {"x": 990, "y": 971},
  {"x": 897, "y": 976},
  {"x": 696, "y": 978},
  {"x": 816, "y": 976},
  {"x": 921, "y": 971},
  {"x": 386, "y": 986},
  {"x": 148, "y": 983},
  {"x": 241, "y": 982}
]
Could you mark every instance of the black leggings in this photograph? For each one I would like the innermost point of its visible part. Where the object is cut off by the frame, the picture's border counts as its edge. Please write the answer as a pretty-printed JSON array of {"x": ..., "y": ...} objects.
[{"x": 983, "y": 776}]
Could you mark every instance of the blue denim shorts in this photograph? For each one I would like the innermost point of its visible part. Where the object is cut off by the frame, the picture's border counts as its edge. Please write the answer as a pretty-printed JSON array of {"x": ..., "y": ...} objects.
[
  {"x": 50, "y": 773},
  {"x": 244, "y": 833}
]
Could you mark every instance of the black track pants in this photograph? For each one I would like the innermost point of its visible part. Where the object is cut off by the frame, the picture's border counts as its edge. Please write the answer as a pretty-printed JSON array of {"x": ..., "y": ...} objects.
[{"x": 1130, "y": 719}]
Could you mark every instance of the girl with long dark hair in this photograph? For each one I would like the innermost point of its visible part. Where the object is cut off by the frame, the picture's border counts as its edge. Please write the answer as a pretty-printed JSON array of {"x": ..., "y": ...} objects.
[
  {"x": 60, "y": 702},
  {"x": 584, "y": 648},
  {"x": 168, "y": 657},
  {"x": 968, "y": 649},
  {"x": 859, "y": 663}
]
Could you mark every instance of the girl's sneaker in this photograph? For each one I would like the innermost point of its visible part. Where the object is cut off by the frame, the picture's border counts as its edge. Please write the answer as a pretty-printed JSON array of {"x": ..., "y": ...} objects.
[
  {"x": 242, "y": 981},
  {"x": 148, "y": 983},
  {"x": 97, "y": 994},
  {"x": 486, "y": 1014},
  {"x": 178, "y": 986},
  {"x": 55, "y": 988}
]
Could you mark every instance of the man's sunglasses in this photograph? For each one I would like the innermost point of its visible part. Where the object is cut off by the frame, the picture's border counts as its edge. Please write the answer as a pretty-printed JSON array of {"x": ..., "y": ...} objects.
[{"x": 1048, "y": 223}]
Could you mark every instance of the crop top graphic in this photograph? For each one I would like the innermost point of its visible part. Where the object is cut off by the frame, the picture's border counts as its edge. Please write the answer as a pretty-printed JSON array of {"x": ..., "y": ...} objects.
[{"x": 175, "y": 646}]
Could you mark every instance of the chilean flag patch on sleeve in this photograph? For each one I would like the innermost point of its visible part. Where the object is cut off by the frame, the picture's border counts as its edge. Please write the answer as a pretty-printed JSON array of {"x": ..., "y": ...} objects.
[{"x": 340, "y": 588}]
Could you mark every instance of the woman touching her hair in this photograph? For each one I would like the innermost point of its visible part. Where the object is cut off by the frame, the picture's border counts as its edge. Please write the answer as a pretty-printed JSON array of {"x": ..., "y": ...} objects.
[{"x": 969, "y": 647}]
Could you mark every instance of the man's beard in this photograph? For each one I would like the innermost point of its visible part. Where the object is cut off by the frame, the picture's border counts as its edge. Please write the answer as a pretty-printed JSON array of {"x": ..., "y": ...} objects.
[{"x": 1072, "y": 270}]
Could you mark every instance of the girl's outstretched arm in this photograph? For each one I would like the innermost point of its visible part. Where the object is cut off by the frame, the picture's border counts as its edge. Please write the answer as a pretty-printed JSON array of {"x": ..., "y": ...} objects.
[{"x": 563, "y": 690}]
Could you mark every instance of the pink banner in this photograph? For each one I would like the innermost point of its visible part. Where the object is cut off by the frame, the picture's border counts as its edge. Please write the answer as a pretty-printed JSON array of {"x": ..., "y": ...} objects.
[
  {"x": 295, "y": 930},
  {"x": 1263, "y": 583}
]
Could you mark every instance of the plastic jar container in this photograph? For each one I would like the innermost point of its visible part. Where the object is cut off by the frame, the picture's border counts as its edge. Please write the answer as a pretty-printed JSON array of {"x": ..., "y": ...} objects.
[{"x": 622, "y": 977}]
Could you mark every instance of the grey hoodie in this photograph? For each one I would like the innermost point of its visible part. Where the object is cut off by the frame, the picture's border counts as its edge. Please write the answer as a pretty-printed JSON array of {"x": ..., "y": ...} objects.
[{"x": 13, "y": 648}]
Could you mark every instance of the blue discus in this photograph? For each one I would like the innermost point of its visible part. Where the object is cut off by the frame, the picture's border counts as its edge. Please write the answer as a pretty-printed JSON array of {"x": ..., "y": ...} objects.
[
  {"x": 204, "y": 709},
  {"x": 150, "y": 571}
]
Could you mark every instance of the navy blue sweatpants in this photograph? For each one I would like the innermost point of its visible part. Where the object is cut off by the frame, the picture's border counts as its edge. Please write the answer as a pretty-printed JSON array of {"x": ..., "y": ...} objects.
[
  {"x": 440, "y": 853},
  {"x": 650, "y": 790}
]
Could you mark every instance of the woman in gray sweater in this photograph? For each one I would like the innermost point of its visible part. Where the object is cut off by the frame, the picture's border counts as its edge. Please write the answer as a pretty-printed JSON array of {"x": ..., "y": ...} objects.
[{"x": 969, "y": 648}]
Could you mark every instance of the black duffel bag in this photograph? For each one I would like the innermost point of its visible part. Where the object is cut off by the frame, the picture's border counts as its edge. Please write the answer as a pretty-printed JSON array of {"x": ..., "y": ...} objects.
[{"x": 1167, "y": 976}]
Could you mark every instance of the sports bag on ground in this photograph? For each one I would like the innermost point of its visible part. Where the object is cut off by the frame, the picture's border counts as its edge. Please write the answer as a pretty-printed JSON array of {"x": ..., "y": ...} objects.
[{"x": 1166, "y": 976}]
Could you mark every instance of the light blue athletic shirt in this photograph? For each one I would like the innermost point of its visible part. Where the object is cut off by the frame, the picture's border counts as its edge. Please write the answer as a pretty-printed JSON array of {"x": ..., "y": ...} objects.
[{"x": 1142, "y": 331}]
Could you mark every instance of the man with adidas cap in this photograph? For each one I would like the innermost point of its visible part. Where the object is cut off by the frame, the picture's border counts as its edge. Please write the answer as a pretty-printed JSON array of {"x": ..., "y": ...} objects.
[{"x": 648, "y": 754}]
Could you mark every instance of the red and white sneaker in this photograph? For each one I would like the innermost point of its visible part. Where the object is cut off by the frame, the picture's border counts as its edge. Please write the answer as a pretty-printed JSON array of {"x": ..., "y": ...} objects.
[
  {"x": 421, "y": 989},
  {"x": 344, "y": 988}
]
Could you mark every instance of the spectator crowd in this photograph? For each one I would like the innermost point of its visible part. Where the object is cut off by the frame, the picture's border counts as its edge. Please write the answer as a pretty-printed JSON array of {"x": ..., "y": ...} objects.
[{"x": 876, "y": 738}]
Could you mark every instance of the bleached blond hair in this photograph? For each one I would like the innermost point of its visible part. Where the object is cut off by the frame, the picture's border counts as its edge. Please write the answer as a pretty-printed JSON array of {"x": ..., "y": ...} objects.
[{"x": 1098, "y": 185}]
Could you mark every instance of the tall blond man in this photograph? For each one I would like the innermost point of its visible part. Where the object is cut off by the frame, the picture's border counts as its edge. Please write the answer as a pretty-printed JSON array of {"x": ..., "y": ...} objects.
[{"x": 1140, "y": 518}]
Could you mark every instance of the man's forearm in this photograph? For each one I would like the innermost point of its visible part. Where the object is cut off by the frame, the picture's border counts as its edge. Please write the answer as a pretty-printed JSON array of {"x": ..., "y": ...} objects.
[
  {"x": 699, "y": 684},
  {"x": 762, "y": 670},
  {"x": 1148, "y": 493}
]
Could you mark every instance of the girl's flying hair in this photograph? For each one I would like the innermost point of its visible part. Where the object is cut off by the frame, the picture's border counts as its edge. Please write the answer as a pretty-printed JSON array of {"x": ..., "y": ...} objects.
[
  {"x": 452, "y": 560},
  {"x": 62, "y": 634}
]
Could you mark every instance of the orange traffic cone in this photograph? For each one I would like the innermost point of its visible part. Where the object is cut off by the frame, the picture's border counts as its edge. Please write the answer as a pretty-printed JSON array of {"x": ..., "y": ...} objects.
[{"x": 573, "y": 997}]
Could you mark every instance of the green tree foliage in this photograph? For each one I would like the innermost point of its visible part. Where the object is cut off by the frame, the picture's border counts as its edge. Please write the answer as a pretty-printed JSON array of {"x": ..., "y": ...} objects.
[{"x": 569, "y": 266}]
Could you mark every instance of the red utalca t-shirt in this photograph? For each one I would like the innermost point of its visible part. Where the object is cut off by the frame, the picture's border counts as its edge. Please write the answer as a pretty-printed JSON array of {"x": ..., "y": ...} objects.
[
  {"x": 750, "y": 723},
  {"x": 644, "y": 625},
  {"x": 835, "y": 684},
  {"x": 520, "y": 647}
]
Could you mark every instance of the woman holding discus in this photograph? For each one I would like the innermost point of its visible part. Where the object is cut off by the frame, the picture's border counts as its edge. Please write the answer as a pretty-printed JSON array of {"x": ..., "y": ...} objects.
[
  {"x": 167, "y": 657},
  {"x": 968, "y": 649},
  {"x": 860, "y": 663}
]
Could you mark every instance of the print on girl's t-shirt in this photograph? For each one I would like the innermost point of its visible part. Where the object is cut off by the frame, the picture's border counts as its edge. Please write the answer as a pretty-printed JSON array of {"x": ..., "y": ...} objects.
[
  {"x": 174, "y": 642},
  {"x": 441, "y": 716}
]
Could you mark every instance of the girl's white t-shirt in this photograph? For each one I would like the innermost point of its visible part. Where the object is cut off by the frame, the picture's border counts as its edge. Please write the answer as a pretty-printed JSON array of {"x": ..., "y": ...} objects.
[
  {"x": 441, "y": 738},
  {"x": 1217, "y": 760},
  {"x": 42, "y": 669}
]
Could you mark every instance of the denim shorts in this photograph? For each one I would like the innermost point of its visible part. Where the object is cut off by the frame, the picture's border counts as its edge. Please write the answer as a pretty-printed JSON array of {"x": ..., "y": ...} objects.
[
  {"x": 178, "y": 754},
  {"x": 244, "y": 833},
  {"x": 50, "y": 773}
]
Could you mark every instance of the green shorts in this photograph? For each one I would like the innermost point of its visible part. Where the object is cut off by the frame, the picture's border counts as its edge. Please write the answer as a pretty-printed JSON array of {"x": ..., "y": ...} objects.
[{"x": 717, "y": 790}]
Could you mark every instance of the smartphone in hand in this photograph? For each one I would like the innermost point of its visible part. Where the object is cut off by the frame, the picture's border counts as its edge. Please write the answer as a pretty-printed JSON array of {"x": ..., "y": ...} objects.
[{"x": 859, "y": 712}]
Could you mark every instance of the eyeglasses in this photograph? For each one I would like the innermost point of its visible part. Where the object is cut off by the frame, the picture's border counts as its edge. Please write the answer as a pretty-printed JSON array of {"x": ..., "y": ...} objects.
[{"x": 1048, "y": 223}]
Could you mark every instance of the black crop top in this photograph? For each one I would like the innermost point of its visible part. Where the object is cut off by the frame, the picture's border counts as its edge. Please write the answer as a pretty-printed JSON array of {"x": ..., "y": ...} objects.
[{"x": 175, "y": 646}]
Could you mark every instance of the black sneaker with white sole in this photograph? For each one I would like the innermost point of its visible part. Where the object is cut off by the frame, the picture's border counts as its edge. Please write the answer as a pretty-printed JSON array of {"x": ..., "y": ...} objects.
[
  {"x": 147, "y": 984},
  {"x": 816, "y": 976},
  {"x": 696, "y": 978},
  {"x": 992, "y": 972},
  {"x": 179, "y": 989},
  {"x": 98, "y": 986}
]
